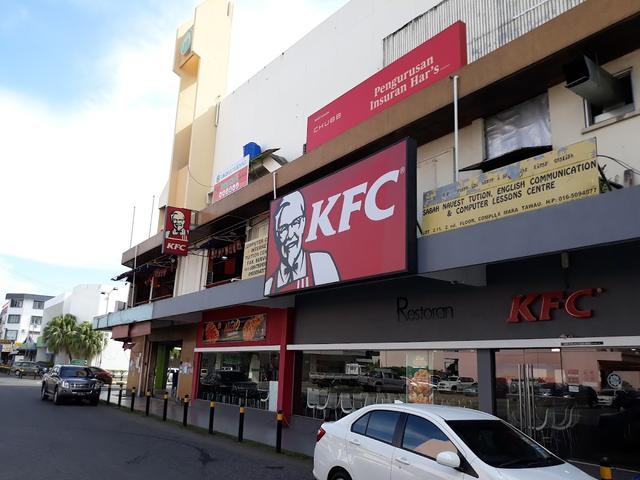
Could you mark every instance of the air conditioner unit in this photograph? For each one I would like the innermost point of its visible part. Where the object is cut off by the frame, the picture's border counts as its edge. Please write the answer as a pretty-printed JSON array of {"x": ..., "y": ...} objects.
[{"x": 593, "y": 83}]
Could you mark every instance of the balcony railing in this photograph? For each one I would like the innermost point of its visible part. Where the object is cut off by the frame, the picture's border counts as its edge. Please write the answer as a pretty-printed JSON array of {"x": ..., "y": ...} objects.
[{"x": 490, "y": 24}]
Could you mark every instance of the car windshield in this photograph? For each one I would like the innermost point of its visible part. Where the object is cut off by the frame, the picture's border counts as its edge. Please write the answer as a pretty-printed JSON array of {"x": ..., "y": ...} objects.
[
  {"x": 502, "y": 446},
  {"x": 75, "y": 372}
]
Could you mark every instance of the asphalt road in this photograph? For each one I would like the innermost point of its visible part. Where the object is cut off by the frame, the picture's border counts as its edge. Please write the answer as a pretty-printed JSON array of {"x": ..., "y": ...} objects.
[{"x": 39, "y": 440}]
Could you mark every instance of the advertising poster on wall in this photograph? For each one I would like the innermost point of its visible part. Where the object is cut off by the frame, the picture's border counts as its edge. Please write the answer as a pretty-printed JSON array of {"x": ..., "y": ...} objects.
[
  {"x": 353, "y": 224},
  {"x": 176, "y": 231},
  {"x": 243, "y": 329},
  {"x": 231, "y": 179},
  {"x": 429, "y": 62},
  {"x": 556, "y": 177}
]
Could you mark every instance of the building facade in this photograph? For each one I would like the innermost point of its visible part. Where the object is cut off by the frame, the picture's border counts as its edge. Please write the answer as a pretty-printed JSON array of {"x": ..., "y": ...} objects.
[
  {"x": 397, "y": 257},
  {"x": 21, "y": 322},
  {"x": 85, "y": 302}
]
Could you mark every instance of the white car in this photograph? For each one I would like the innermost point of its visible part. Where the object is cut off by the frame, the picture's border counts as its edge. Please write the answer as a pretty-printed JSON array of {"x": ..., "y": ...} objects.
[
  {"x": 454, "y": 384},
  {"x": 412, "y": 441}
]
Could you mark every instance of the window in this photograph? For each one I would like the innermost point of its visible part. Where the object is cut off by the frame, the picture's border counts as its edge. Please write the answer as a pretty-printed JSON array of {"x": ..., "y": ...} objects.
[
  {"x": 38, "y": 305},
  {"x": 424, "y": 438},
  {"x": 525, "y": 125},
  {"x": 596, "y": 114},
  {"x": 501, "y": 445},
  {"x": 360, "y": 425},
  {"x": 35, "y": 320},
  {"x": 373, "y": 377},
  {"x": 10, "y": 334},
  {"x": 16, "y": 303},
  {"x": 382, "y": 425},
  {"x": 13, "y": 319}
]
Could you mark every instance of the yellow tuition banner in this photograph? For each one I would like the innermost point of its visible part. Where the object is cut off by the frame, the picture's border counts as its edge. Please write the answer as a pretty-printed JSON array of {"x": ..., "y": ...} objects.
[{"x": 559, "y": 176}]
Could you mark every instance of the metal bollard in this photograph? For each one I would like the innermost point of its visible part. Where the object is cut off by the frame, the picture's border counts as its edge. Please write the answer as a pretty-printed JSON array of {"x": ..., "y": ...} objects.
[
  {"x": 146, "y": 407},
  {"x": 164, "y": 407},
  {"x": 185, "y": 411},
  {"x": 212, "y": 412},
  {"x": 108, "y": 394},
  {"x": 133, "y": 397},
  {"x": 605, "y": 469},
  {"x": 279, "y": 419},
  {"x": 120, "y": 396},
  {"x": 241, "y": 423}
]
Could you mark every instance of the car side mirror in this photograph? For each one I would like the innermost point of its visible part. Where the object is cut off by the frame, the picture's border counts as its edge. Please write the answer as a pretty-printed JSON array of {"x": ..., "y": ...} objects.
[{"x": 448, "y": 459}]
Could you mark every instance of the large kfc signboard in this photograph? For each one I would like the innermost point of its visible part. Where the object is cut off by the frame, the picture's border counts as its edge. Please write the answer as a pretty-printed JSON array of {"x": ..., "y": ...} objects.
[
  {"x": 356, "y": 223},
  {"x": 176, "y": 231},
  {"x": 429, "y": 62}
]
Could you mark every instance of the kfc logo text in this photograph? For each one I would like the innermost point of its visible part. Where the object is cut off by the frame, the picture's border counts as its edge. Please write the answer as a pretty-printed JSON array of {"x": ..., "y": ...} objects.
[
  {"x": 521, "y": 305},
  {"x": 177, "y": 246},
  {"x": 350, "y": 205}
]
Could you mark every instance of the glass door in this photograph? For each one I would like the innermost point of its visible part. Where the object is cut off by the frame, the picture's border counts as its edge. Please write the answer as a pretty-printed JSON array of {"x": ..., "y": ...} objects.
[
  {"x": 581, "y": 403},
  {"x": 529, "y": 388}
]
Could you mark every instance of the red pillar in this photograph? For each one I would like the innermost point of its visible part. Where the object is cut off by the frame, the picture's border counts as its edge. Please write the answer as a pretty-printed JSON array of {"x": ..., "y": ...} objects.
[
  {"x": 286, "y": 366},
  {"x": 196, "y": 375}
]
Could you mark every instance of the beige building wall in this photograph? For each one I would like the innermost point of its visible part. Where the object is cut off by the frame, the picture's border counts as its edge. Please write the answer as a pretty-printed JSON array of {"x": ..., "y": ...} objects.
[
  {"x": 567, "y": 114},
  {"x": 435, "y": 159},
  {"x": 203, "y": 77}
]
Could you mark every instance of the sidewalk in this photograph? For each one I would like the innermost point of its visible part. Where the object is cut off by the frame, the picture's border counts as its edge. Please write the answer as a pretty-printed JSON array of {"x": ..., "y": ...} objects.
[{"x": 298, "y": 436}]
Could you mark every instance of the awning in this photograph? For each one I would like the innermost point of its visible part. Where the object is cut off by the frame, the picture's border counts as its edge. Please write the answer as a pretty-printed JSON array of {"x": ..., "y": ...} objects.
[{"x": 28, "y": 347}]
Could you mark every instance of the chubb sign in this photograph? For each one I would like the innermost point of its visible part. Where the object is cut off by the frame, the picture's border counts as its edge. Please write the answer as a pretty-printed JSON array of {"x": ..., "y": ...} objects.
[
  {"x": 523, "y": 306},
  {"x": 352, "y": 224}
]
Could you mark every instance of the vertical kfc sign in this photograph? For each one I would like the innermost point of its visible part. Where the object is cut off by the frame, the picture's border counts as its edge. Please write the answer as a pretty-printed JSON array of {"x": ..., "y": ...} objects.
[
  {"x": 354, "y": 224},
  {"x": 176, "y": 231}
]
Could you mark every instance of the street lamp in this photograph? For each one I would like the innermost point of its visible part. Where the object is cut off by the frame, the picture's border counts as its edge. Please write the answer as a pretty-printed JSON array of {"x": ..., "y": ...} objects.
[{"x": 108, "y": 294}]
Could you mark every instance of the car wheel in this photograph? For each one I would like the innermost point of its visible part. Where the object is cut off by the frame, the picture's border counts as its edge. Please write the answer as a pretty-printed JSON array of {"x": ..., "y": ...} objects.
[
  {"x": 43, "y": 393},
  {"x": 95, "y": 401},
  {"x": 340, "y": 474},
  {"x": 56, "y": 398},
  {"x": 17, "y": 373}
]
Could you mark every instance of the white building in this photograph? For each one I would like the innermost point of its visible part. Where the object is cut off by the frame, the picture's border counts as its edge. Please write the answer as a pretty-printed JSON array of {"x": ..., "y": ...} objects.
[
  {"x": 85, "y": 302},
  {"x": 23, "y": 317}
]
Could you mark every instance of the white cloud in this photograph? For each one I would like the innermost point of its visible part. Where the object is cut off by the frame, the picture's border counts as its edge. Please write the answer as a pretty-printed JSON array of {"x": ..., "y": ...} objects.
[{"x": 69, "y": 178}]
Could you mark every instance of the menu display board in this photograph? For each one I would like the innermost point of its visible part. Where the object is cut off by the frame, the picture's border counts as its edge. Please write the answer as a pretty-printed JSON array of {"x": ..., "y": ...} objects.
[{"x": 243, "y": 329}]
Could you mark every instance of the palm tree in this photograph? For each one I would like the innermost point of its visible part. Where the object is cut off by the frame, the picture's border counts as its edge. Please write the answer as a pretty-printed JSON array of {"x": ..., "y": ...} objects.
[
  {"x": 87, "y": 342},
  {"x": 59, "y": 334}
]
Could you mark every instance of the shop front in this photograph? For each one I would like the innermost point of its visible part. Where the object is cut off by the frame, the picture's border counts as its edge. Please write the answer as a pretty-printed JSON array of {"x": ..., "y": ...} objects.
[
  {"x": 241, "y": 357},
  {"x": 549, "y": 344}
]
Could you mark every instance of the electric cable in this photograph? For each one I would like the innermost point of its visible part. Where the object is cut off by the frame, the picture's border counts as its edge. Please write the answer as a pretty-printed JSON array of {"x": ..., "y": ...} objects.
[{"x": 620, "y": 162}]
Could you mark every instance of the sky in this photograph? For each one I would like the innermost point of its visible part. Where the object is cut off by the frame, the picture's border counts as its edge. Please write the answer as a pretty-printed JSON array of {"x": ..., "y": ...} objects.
[{"x": 87, "y": 110}]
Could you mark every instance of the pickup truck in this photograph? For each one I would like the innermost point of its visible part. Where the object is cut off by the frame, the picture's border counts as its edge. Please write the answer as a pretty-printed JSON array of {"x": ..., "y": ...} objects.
[{"x": 455, "y": 384}]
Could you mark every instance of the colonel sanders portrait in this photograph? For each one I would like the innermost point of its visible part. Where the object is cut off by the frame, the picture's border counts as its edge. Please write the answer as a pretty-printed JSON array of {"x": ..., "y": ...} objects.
[
  {"x": 178, "y": 222},
  {"x": 298, "y": 268}
]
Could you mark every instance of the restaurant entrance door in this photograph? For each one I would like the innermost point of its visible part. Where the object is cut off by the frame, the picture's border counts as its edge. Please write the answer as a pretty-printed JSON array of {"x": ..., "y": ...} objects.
[{"x": 581, "y": 403}]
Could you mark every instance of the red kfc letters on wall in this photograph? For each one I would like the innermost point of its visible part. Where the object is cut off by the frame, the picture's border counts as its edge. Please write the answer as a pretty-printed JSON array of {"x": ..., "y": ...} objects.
[{"x": 522, "y": 305}]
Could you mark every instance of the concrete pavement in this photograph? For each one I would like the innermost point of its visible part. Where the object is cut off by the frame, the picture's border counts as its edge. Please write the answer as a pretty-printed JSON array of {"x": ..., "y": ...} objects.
[{"x": 45, "y": 441}]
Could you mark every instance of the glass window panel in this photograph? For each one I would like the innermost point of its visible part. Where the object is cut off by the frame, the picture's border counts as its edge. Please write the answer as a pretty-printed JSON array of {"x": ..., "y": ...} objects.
[
  {"x": 382, "y": 425},
  {"x": 585, "y": 400},
  {"x": 366, "y": 377},
  {"x": 360, "y": 425},
  {"x": 423, "y": 437}
]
